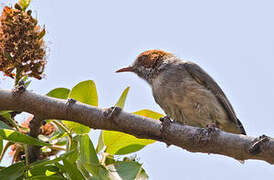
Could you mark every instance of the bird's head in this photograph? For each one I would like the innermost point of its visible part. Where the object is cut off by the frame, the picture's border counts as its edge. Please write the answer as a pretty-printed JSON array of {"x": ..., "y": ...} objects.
[{"x": 147, "y": 64}]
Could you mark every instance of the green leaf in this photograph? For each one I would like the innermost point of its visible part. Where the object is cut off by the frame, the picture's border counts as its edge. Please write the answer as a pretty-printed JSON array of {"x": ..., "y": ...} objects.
[
  {"x": 44, "y": 177},
  {"x": 109, "y": 159},
  {"x": 125, "y": 170},
  {"x": 88, "y": 156},
  {"x": 75, "y": 155},
  {"x": 27, "y": 83},
  {"x": 42, "y": 33},
  {"x": 24, "y": 4},
  {"x": 4, "y": 112},
  {"x": 89, "y": 159},
  {"x": 4, "y": 125},
  {"x": 48, "y": 170},
  {"x": 142, "y": 175},
  {"x": 45, "y": 162},
  {"x": 76, "y": 127},
  {"x": 72, "y": 170},
  {"x": 132, "y": 148},
  {"x": 15, "y": 136},
  {"x": 6, "y": 115},
  {"x": 148, "y": 113},
  {"x": 69, "y": 166},
  {"x": 119, "y": 143},
  {"x": 121, "y": 102},
  {"x": 100, "y": 144},
  {"x": 82, "y": 169},
  {"x": 84, "y": 92},
  {"x": 1, "y": 145},
  {"x": 104, "y": 174},
  {"x": 61, "y": 93},
  {"x": 13, "y": 172},
  {"x": 61, "y": 168}
]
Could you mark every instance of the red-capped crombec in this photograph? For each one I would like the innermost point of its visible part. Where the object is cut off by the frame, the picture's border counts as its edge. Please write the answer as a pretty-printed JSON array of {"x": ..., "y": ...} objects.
[{"x": 185, "y": 91}]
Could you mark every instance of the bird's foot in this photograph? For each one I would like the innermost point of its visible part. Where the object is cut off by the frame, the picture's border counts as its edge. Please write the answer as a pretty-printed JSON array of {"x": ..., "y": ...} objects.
[
  {"x": 257, "y": 146},
  {"x": 211, "y": 128},
  {"x": 166, "y": 121},
  {"x": 111, "y": 113},
  {"x": 19, "y": 88},
  {"x": 70, "y": 102}
]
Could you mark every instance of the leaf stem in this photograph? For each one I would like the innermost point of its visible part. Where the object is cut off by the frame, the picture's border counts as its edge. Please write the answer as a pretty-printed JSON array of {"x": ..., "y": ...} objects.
[
  {"x": 17, "y": 76},
  {"x": 26, "y": 160},
  {"x": 64, "y": 128}
]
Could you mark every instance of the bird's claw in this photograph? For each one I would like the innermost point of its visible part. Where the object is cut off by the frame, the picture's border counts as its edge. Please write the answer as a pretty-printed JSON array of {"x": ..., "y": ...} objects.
[
  {"x": 71, "y": 101},
  {"x": 69, "y": 104},
  {"x": 211, "y": 128},
  {"x": 166, "y": 121},
  {"x": 256, "y": 146},
  {"x": 112, "y": 112}
]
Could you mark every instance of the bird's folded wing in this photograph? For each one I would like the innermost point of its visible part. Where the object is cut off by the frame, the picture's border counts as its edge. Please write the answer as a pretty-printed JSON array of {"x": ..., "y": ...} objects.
[{"x": 204, "y": 79}]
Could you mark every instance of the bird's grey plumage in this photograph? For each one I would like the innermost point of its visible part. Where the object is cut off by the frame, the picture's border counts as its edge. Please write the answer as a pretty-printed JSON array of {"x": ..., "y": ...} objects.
[
  {"x": 185, "y": 91},
  {"x": 190, "y": 96},
  {"x": 204, "y": 79}
]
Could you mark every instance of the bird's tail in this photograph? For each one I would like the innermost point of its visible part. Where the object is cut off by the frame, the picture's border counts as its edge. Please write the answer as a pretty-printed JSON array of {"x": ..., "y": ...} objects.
[{"x": 241, "y": 127}]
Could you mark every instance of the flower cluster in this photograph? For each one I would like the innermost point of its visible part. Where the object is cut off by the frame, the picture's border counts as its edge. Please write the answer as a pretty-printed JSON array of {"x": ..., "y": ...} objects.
[{"x": 21, "y": 44}]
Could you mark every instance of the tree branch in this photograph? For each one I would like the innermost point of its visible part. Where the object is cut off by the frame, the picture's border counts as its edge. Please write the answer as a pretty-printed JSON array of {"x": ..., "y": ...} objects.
[
  {"x": 34, "y": 151},
  {"x": 193, "y": 139}
]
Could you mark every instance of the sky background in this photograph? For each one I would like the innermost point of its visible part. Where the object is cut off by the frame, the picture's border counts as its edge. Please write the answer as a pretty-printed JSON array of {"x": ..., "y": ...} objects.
[{"x": 232, "y": 40}]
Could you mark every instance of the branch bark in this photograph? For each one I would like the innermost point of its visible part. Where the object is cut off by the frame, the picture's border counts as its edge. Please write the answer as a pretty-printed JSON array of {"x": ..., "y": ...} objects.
[
  {"x": 34, "y": 151},
  {"x": 193, "y": 139}
]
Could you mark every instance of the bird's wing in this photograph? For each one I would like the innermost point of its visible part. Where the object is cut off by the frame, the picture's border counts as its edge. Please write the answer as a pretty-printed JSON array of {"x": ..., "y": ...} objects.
[{"x": 204, "y": 79}]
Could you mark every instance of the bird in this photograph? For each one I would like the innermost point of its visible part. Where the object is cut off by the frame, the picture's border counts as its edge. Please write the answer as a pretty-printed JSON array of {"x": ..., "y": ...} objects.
[{"x": 187, "y": 94}]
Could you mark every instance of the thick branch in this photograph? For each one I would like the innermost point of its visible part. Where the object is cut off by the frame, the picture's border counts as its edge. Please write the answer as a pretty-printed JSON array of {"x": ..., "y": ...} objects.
[{"x": 190, "y": 138}]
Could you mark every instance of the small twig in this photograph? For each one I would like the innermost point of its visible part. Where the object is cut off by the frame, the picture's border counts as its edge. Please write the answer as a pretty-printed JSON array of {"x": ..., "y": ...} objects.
[
  {"x": 19, "y": 88},
  {"x": 26, "y": 160},
  {"x": 65, "y": 129},
  {"x": 17, "y": 77},
  {"x": 8, "y": 144}
]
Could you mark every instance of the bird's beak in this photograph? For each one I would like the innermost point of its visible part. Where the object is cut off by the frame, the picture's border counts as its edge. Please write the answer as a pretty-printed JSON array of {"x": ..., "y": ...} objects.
[{"x": 126, "y": 69}]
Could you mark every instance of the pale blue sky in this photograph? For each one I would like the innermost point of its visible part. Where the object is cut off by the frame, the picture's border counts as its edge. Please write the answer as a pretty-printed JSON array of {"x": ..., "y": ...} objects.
[{"x": 232, "y": 40}]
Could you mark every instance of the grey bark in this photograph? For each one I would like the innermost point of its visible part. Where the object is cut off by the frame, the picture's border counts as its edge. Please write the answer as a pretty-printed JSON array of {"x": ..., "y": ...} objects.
[{"x": 190, "y": 138}]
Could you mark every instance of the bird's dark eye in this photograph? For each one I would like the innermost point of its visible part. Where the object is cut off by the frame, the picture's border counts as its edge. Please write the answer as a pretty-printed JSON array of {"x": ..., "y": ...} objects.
[
  {"x": 143, "y": 59},
  {"x": 155, "y": 64}
]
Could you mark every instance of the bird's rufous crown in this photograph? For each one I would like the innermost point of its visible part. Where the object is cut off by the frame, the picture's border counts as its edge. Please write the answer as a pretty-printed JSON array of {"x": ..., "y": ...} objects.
[{"x": 148, "y": 58}]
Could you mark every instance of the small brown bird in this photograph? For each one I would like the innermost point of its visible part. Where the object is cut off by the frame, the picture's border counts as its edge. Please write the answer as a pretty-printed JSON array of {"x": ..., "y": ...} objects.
[{"x": 185, "y": 91}]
